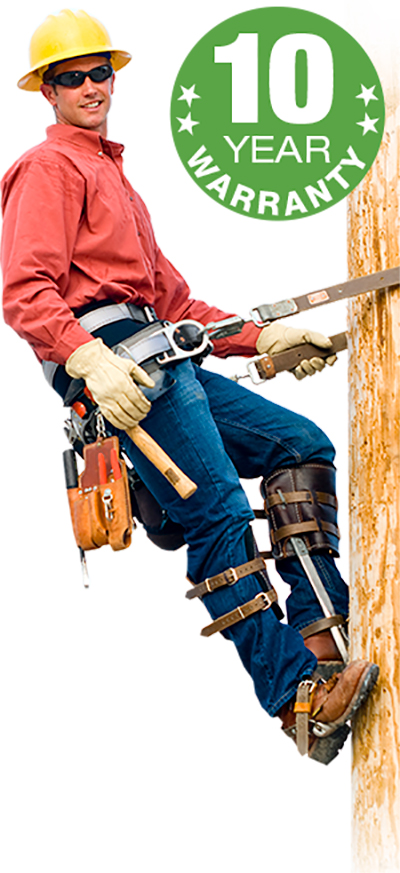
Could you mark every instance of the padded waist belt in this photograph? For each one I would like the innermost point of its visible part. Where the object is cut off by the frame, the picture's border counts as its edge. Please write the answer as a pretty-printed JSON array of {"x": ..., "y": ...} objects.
[
  {"x": 147, "y": 343},
  {"x": 98, "y": 318},
  {"x": 115, "y": 312}
]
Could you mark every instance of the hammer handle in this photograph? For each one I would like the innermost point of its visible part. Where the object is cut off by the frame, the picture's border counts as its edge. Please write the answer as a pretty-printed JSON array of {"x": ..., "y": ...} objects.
[{"x": 182, "y": 484}]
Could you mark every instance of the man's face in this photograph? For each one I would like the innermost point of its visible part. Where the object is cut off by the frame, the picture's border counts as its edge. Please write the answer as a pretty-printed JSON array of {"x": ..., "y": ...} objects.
[{"x": 86, "y": 106}]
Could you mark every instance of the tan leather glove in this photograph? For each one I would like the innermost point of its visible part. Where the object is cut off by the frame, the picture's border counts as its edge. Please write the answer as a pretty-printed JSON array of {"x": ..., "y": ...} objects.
[
  {"x": 276, "y": 337},
  {"x": 110, "y": 381}
]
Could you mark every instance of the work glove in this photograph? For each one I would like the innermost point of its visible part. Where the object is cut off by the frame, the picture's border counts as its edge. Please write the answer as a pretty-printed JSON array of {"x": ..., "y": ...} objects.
[
  {"x": 275, "y": 338},
  {"x": 109, "y": 379}
]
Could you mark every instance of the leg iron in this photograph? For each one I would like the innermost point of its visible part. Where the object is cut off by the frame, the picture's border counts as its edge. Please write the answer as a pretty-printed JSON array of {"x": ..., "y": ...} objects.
[{"x": 303, "y": 520}]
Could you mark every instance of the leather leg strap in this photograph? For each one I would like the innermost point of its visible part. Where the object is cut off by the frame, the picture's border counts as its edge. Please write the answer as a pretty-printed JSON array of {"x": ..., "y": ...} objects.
[
  {"x": 322, "y": 624},
  {"x": 228, "y": 577},
  {"x": 302, "y": 710},
  {"x": 261, "y": 601}
]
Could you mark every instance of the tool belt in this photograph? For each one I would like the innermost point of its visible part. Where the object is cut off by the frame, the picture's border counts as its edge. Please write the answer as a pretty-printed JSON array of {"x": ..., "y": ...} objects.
[{"x": 99, "y": 499}]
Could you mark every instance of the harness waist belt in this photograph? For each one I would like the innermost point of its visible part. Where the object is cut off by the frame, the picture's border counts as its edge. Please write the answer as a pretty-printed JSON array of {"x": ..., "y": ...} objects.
[
  {"x": 98, "y": 318},
  {"x": 148, "y": 343},
  {"x": 113, "y": 312}
]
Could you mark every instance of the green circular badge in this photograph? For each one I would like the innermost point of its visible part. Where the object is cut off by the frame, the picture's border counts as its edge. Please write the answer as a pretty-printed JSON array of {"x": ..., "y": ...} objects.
[{"x": 277, "y": 113}]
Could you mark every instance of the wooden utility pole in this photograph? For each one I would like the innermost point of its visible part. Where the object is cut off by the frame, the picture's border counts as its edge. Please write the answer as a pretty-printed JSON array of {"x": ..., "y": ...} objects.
[{"x": 374, "y": 378}]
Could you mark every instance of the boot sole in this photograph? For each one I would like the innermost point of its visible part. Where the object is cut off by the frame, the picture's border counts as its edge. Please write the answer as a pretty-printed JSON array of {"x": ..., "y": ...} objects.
[{"x": 325, "y": 749}]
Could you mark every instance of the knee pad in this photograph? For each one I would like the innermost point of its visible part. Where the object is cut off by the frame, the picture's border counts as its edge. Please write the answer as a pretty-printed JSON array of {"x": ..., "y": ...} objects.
[{"x": 301, "y": 502}]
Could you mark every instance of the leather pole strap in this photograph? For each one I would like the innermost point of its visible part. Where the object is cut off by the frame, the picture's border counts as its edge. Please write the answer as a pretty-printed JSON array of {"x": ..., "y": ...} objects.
[
  {"x": 228, "y": 577},
  {"x": 263, "y": 601}
]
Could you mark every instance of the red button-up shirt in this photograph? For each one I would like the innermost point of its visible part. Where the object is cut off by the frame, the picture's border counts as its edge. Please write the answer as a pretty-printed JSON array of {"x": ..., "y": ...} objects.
[{"x": 75, "y": 232}]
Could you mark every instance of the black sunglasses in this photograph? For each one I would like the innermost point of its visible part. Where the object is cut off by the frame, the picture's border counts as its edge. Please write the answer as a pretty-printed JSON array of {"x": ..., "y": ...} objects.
[{"x": 76, "y": 78}]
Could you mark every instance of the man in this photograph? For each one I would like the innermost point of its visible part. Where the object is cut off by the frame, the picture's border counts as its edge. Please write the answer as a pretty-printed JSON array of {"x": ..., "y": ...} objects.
[{"x": 83, "y": 273}]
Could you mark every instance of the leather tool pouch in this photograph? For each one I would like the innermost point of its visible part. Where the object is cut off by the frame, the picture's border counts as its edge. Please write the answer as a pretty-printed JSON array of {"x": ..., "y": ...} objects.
[{"x": 99, "y": 498}]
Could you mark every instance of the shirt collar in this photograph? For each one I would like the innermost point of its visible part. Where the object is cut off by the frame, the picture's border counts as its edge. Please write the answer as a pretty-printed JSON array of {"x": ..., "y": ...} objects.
[{"x": 88, "y": 139}]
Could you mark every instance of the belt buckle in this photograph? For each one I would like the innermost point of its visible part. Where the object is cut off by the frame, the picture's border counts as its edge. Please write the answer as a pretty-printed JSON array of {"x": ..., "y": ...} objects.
[
  {"x": 231, "y": 576},
  {"x": 268, "y": 601},
  {"x": 149, "y": 313}
]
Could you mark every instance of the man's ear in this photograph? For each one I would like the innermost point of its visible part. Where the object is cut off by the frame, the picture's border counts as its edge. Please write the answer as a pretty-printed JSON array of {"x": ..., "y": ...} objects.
[
  {"x": 49, "y": 93},
  {"x": 112, "y": 83}
]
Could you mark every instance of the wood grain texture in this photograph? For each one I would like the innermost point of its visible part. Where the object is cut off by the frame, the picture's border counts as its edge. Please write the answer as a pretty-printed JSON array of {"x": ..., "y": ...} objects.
[{"x": 374, "y": 396}]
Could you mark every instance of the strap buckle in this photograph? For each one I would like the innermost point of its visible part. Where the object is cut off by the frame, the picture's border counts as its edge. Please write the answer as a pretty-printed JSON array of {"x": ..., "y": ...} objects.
[
  {"x": 260, "y": 602},
  {"x": 230, "y": 575},
  {"x": 269, "y": 597},
  {"x": 302, "y": 710}
]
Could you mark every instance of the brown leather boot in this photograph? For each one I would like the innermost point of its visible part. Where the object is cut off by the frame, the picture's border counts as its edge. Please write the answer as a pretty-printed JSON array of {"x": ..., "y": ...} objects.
[
  {"x": 320, "y": 641},
  {"x": 323, "y": 646},
  {"x": 316, "y": 719}
]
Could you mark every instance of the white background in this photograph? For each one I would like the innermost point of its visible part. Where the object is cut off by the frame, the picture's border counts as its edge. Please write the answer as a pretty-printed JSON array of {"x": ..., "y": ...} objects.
[{"x": 127, "y": 742}]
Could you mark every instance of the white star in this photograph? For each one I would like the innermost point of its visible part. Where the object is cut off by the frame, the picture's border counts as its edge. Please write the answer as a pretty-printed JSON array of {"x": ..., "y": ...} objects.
[
  {"x": 187, "y": 123},
  {"x": 189, "y": 95},
  {"x": 367, "y": 95},
  {"x": 368, "y": 124}
]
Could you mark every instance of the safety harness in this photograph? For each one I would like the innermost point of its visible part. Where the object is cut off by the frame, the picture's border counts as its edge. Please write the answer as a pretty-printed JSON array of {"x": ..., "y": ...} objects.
[{"x": 158, "y": 343}]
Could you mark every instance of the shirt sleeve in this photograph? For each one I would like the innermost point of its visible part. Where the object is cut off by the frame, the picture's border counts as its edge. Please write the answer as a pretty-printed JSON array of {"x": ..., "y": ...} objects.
[
  {"x": 42, "y": 205},
  {"x": 173, "y": 302}
]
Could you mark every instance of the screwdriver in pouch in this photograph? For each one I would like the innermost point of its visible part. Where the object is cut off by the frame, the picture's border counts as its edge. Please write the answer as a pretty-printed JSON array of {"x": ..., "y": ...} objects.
[{"x": 71, "y": 481}]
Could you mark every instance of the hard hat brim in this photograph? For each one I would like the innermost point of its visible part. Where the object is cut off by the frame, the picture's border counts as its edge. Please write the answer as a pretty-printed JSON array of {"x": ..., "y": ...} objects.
[{"x": 34, "y": 79}]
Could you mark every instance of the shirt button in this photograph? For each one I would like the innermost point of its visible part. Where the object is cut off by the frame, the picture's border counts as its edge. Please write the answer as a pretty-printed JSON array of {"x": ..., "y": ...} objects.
[
  {"x": 100, "y": 154},
  {"x": 130, "y": 198}
]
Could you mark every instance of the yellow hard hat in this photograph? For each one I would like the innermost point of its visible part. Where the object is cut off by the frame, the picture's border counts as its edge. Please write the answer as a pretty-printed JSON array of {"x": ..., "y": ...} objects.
[{"x": 67, "y": 35}]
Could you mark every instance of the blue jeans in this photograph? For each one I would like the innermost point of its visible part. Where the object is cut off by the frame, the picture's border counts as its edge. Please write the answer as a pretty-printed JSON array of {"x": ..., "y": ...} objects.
[{"x": 218, "y": 431}]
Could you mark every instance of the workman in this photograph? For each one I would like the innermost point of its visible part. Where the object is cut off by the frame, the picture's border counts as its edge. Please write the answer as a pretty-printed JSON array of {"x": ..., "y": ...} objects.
[{"x": 78, "y": 239}]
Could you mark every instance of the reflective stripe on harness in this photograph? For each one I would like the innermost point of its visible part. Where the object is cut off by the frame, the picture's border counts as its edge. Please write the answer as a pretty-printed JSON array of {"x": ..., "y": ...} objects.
[{"x": 115, "y": 312}]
